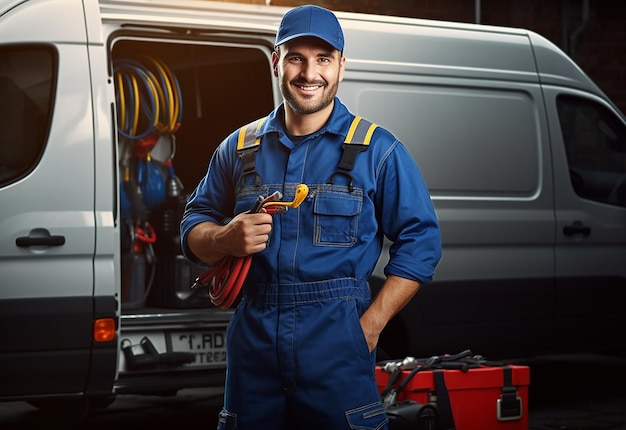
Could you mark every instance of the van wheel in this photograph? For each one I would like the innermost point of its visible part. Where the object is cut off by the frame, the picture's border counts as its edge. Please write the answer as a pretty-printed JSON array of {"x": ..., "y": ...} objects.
[{"x": 72, "y": 408}]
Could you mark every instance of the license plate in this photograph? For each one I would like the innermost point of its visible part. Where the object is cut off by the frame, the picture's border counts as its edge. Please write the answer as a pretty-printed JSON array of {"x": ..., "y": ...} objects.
[{"x": 209, "y": 347}]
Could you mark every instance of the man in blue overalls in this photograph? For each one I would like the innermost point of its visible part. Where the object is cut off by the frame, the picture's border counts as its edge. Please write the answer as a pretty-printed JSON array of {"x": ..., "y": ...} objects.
[{"x": 301, "y": 344}]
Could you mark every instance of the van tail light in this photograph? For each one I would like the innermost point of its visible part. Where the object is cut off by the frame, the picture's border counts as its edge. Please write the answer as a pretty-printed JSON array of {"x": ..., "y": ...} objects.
[{"x": 104, "y": 330}]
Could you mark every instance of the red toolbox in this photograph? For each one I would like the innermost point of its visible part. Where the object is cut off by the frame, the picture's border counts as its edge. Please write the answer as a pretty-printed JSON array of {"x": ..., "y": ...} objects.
[{"x": 479, "y": 397}]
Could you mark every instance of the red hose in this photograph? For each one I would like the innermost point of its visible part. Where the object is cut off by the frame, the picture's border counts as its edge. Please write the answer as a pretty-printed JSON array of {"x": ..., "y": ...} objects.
[{"x": 225, "y": 279}]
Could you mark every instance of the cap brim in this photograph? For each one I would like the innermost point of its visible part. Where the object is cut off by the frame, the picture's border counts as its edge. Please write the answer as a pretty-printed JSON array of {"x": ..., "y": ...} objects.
[{"x": 297, "y": 36}]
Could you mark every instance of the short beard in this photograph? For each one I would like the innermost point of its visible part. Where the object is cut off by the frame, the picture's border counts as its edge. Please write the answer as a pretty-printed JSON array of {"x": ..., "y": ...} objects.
[{"x": 307, "y": 108}]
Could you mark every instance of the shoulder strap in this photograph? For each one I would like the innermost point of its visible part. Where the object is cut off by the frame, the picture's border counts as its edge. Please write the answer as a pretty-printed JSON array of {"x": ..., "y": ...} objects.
[
  {"x": 357, "y": 140},
  {"x": 360, "y": 131},
  {"x": 248, "y": 143}
]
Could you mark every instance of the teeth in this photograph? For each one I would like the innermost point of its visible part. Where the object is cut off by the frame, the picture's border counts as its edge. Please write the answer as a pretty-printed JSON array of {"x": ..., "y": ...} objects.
[{"x": 310, "y": 88}]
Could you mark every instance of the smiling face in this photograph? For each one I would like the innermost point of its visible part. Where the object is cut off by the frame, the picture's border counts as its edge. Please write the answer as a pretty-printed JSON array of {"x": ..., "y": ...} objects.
[{"x": 309, "y": 72}]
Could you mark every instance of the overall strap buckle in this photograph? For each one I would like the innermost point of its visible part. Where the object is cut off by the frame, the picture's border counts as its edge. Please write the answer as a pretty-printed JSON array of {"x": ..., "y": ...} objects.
[{"x": 357, "y": 140}]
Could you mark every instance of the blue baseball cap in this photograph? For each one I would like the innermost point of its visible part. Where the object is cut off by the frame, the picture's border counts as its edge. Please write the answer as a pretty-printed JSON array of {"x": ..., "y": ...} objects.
[{"x": 313, "y": 21}]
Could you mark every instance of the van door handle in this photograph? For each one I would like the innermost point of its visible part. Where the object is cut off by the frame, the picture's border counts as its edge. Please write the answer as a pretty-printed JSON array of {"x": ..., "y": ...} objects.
[
  {"x": 26, "y": 241},
  {"x": 576, "y": 228}
]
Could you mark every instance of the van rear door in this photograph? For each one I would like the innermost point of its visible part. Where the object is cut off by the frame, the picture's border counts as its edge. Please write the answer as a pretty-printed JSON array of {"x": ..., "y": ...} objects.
[{"x": 47, "y": 198}]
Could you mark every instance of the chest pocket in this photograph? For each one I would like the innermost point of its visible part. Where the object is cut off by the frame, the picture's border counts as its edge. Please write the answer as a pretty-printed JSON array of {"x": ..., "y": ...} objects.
[
  {"x": 337, "y": 208},
  {"x": 336, "y": 215}
]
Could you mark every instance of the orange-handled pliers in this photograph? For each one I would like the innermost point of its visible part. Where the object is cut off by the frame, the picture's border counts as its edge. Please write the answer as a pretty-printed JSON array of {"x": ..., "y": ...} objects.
[{"x": 226, "y": 278}]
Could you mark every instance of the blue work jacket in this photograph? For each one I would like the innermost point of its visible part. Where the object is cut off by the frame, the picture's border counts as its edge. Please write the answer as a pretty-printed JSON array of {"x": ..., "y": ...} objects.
[{"x": 337, "y": 232}]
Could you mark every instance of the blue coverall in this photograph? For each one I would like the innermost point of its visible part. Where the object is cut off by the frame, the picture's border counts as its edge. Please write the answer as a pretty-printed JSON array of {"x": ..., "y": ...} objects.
[{"x": 297, "y": 357}]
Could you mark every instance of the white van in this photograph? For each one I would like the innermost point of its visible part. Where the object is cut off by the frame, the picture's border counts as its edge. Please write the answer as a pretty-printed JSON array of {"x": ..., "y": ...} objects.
[{"x": 110, "y": 111}]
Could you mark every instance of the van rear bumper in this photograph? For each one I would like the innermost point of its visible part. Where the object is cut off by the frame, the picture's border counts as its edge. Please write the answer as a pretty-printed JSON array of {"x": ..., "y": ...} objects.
[{"x": 169, "y": 383}]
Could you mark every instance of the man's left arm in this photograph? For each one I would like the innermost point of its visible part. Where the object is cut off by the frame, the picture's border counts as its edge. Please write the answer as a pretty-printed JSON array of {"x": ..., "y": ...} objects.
[
  {"x": 407, "y": 218},
  {"x": 394, "y": 295}
]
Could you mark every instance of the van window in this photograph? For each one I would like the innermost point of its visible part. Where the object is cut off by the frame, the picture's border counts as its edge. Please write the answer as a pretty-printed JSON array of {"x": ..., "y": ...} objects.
[
  {"x": 27, "y": 74},
  {"x": 595, "y": 142}
]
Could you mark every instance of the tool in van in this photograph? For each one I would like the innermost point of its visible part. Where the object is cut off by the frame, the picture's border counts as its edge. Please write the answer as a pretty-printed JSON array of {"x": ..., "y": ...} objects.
[
  {"x": 226, "y": 278},
  {"x": 149, "y": 101}
]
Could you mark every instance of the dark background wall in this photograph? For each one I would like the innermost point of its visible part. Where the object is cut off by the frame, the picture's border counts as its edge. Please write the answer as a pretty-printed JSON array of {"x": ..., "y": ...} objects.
[{"x": 592, "y": 32}]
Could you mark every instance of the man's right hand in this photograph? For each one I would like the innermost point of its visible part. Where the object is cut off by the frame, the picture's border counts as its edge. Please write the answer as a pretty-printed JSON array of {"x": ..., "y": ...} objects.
[{"x": 245, "y": 234}]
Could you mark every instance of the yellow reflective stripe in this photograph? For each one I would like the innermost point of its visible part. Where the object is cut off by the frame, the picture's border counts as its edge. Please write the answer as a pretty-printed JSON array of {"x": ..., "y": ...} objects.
[
  {"x": 241, "y": 139},
  {"x": 246, "y": 139},
  {"x": 368, "y": 135},
  {"x": 352, "y": 129}
]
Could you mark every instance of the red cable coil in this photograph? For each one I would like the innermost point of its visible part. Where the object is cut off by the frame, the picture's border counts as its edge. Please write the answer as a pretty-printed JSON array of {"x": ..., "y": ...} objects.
[{"x": 225, "y": 279}]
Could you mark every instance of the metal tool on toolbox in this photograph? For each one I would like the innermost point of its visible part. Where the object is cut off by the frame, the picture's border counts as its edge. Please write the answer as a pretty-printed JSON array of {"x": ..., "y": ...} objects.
[
  {"x": 503, "y": 398},
  {"x": 405, "y": 364},
  {"x": 226, "y": 278},
  {"x": 395, "y": 367}
]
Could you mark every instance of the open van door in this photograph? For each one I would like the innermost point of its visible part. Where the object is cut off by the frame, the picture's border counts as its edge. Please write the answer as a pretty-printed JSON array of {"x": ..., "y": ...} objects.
[{"x": 51, "y": 228}]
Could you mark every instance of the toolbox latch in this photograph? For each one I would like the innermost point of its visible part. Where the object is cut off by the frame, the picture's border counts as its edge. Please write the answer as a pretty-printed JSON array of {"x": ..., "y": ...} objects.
[{"x": 509, "y": 406}]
